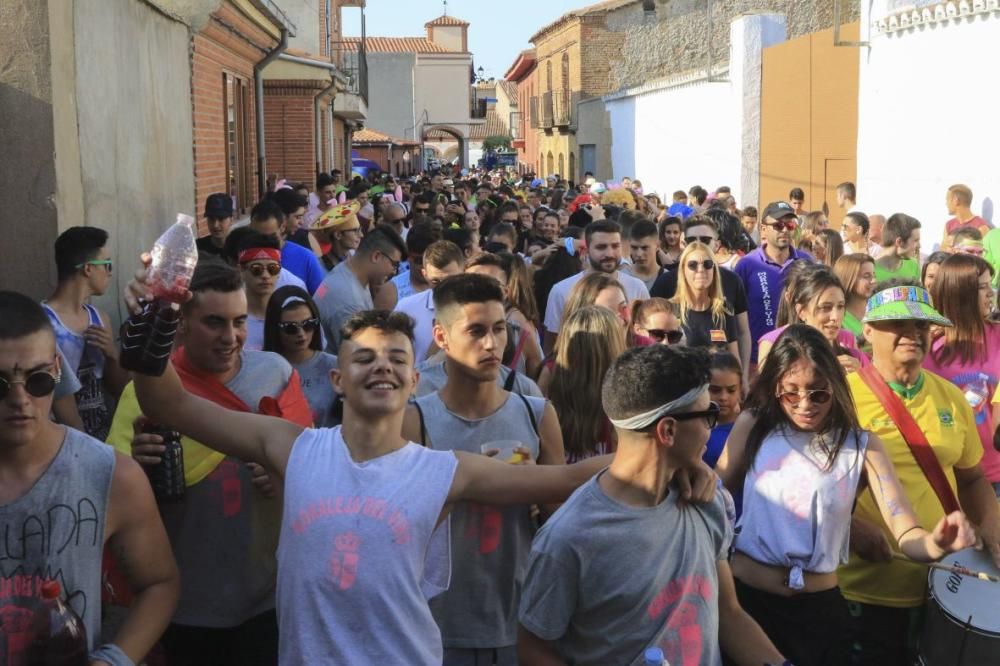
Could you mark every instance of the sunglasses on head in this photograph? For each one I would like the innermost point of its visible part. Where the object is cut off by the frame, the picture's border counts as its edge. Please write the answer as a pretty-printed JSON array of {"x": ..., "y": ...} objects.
[
  {"x": 257, "y": 270},
  {"x": 659, "y": 334},
  {"x": 37, "y": 384},
  {"x": 292, "y": 327},
  {"x": 816, "y": 396},
  {"x": 707, "y": 264},
  {"x": 707, "y": 240},
  {"x": 781, "y": 225}
]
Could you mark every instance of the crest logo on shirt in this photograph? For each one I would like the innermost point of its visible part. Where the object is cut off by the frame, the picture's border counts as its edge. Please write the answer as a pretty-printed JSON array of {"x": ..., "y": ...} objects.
[
  {"x": 946, "y": 417},
  {"x": 344, "y": 562}
]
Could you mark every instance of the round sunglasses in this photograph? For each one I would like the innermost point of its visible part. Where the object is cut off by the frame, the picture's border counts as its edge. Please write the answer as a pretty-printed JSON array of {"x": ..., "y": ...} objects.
[
  {"x": 37, "y": 384},
  {"x": 292, "y": 327},
  {"x": 659, "y": 335},
  {"x": 257, "y": 270},
  {"x": 816, "y": 396},
  {"x": 707, "y": 265}
]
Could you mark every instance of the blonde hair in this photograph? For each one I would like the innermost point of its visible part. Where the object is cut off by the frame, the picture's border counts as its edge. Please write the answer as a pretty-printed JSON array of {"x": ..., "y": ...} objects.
[
  {"x": 590, "y": 340},
  {"x": 685, "y": 294},
  {"x": 962, "y": 194},
  {"x": 643, "y": 309},
  {"x": 585, "y": 292}
]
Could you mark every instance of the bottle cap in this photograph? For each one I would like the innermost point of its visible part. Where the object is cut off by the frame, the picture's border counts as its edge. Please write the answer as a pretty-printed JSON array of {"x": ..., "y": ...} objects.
[
  {"x": 51, "y": 589},
  {"x": 653, "y": 655}
]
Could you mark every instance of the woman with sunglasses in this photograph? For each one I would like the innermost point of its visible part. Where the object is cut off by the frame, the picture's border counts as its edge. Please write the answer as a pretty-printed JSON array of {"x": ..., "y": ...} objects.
[
  {"x": 292, "y": 329},
  {"x": 799, "y": 457},
  {"x": 816, "y": 298},
  {"x": 260, "y": 264},
  {"x": 655, "y": 323},
  {"x": 706, "y": 316},
  {"x": 968, "y": 353}
]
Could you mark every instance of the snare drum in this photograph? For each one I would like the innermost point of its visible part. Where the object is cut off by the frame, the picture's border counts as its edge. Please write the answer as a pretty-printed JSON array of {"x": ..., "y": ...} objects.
[{"x": 962, "y": 627}]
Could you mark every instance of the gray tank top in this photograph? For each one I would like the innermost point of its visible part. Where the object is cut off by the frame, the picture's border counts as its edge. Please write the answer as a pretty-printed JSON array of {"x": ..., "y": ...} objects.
[
  {"x": 55, "y": 531},
  {"x": 358, "y": 544},
  {"x": 489, "y": 544}
]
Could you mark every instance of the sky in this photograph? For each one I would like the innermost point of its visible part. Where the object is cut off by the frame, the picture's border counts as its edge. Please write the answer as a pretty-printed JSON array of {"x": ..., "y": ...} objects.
[{"x": 498, "y": 30}]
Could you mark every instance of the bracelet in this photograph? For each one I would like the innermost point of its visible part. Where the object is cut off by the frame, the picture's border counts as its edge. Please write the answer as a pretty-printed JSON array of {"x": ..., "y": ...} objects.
[
  {"x": 112, "y": 654},
  {"x": 899, "y": 539}
]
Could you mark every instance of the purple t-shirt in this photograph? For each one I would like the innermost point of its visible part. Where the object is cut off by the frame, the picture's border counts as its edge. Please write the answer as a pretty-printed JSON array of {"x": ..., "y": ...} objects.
[
  {"x": 844, "y": 337},
  {"x": 978, "y": 381},
  {"x": 764, "y": 281}
]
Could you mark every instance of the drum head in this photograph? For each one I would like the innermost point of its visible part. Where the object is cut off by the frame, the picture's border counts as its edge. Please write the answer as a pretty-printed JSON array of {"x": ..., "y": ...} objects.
[{"x": 964, "y": 596}]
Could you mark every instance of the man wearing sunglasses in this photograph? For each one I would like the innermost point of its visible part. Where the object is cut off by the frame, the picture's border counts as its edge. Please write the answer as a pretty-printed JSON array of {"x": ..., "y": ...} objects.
[
  {"x": 225, "y": 530},
  {"x": 268, "y": 218},
  {"x": 347, "y": 289},
  {"x": 763, "y": 270},
  {"x": 260, "y": 264},
  {"x": 65, "y": 497},
  {"x": 888, "y": 595},
  {"x": 594, "y": 591},
  {"x": 83, "y": 333}
]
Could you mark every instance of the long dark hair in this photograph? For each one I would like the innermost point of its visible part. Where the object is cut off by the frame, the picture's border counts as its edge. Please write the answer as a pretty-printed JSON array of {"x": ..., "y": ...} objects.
[
  {"x": 800, "y": 342},
  {"x": 809, "y": 286},
  {"x": 957, "y": 278},
  {"x": 272, "y": 317}
]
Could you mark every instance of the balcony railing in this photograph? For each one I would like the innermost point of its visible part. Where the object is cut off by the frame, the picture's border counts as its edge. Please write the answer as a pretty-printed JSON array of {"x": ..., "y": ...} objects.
[
  {"x": 353, "y": 61},
  {"x": 564, "y": 108},
  {"x": 545, "y": 120},
  {"x": 515, "y": 124},
  {"x": 533, "y": 112}
]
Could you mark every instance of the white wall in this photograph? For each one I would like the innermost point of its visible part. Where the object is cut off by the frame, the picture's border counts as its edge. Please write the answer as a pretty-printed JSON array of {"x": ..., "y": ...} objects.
[
  {"x": 927, "y": 104},
  {"x": 442, "y": 88}
]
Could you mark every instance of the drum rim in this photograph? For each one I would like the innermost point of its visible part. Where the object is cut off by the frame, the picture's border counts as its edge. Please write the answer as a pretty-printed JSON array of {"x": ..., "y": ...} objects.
[{"x": 960, "y": 622}]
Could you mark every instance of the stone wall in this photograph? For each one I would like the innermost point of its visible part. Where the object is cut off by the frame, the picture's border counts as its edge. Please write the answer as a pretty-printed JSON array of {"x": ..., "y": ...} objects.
[{"x": 676, "y": 42}]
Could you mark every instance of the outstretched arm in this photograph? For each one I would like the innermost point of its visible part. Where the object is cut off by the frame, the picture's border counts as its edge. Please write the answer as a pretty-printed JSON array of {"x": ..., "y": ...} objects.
[{"x": 483, "y": 479}]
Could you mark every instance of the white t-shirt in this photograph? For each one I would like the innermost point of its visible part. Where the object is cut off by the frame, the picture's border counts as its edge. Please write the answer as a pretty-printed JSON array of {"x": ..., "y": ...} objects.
[
  {"x": 635, "y": 289},
  {"x": 420, "y": 307}
]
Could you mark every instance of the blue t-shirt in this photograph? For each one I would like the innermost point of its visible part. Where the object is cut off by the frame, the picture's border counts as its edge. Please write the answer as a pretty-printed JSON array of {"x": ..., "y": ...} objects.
[
  {"x": 716, "y": 442},
  {"x": 303, "y": 264},
  {"x": 764, "y": 280}
]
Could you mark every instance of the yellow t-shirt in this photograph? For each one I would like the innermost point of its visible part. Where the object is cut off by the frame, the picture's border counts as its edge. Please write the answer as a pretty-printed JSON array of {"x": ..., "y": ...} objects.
[{"x": 944, "y": 415}]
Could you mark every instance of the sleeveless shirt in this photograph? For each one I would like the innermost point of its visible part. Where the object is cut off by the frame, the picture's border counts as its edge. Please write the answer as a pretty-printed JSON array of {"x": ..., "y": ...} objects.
[
  {"x": 797, "y": 513},
  {"x": 55, "y": 531},
  {"x": 357, "y": 540},
  {"x": 489, "y": 544}
]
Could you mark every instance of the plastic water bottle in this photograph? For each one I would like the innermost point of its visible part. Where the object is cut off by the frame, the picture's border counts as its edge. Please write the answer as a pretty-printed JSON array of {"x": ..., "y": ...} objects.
[
  {"x": 654, "y": 657},
  {"x": 175, "y": 255},
  {"x": 59, "y": 637}
]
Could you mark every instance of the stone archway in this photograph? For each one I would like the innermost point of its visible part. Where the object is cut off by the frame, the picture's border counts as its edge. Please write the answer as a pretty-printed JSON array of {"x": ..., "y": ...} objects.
[{"x": 447, "y": 142}]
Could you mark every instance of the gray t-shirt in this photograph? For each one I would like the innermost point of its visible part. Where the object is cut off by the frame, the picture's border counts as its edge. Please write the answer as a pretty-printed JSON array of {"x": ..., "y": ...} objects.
[
  {"x": 606, "y": 581},
  {"x": 55, "y": 531},
  {"x": 433, "y": 377},
  {"x": 489, "y": 544},
  {"x": 339, "y": 297},
  {"x": 225, "y": 532},
  {"x": 315, "y": 377}
]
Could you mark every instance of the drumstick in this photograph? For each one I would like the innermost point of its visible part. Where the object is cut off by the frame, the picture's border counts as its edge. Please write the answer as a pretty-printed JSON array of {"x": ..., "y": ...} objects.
[{"x": 954, "y": 568}]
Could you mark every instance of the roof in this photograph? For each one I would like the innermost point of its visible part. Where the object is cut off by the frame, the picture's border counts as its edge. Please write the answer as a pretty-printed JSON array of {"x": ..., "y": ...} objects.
[
  {"x": 299, "y": 53},
  {"x": 509, "y": 89},
  {"x": 493, "y": 126},
  {"x": 368, "y": 135},
  {"x": 396, "y": 45},
  {"x": 606, "y": 6},
  {"x": 523, "y": 64},
  {"x": 446, "y": 20}
]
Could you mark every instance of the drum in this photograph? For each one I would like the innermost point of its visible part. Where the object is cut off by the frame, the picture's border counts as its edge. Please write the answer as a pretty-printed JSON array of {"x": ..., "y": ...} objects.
[{"x": 962, "y": 626}]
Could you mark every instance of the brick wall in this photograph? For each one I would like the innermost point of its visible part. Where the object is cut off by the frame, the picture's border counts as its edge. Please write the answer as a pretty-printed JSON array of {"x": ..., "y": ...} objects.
[
  {"x": 228, "y": 44},
  {"x": 289, "y": 121}
]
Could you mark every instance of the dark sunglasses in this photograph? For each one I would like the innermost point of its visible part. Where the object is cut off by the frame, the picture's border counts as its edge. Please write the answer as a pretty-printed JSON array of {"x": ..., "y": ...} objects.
[
  {"x": 672, "y": 337},
  {"x": 395, "y": 264},
  {"x": 817, "y": 397},
  {"x": 707, "y": 240},
  {"x": 781, "y": 225},
  {"x": 707, "y": 264},
  {"x": 257, "y": 270},
  {"x": 292, "y": 327},
  {"x": 37, "y": 384},
  {"x": 711, "y": 415}
]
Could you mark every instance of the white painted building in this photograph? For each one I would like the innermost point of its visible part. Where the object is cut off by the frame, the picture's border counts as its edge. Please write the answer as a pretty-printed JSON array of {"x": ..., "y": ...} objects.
[
  {"x": 927, "y": 102},
  {"x": 701, "y": 128}
]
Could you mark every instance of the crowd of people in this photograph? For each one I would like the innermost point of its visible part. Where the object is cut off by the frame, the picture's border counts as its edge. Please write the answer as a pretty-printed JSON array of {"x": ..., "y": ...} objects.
[{"x": 484, "y": 418}]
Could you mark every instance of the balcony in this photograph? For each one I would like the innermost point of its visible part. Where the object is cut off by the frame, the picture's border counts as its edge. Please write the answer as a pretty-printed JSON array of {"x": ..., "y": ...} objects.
[
  {"x": 352, "y": 102},
  {"x": 564, "y": 108},
  {"x": 545, "y": 110}
]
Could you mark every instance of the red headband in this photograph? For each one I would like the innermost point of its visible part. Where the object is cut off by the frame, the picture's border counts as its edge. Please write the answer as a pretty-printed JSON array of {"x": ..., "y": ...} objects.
[{"x": 259, "y": 254}]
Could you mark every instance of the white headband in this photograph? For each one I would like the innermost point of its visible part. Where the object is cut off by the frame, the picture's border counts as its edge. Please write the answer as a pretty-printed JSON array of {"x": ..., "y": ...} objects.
[
  {"x": 640, "y": 421},
  {"x": 292, "y": 299}
]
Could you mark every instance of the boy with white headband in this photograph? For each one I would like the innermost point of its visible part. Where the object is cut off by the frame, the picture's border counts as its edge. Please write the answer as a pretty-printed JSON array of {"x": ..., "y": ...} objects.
[{"x": 624, "y": 566}]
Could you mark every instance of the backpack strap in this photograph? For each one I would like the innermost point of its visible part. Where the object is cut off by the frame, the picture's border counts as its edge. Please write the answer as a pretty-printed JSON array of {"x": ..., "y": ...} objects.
[
  {"x": 531, "y": 414},
  {"x": 913, "y": 436},
  {"x": 519, "y": 349},
  {"x": 423, "y": 427},
  {"x": 508, "y": 384}
]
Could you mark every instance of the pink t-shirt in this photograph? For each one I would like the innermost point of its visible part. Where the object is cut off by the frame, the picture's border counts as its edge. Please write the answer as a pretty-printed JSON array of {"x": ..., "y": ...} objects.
[
  {"x": 954, "y": 224},
  {"x": 978, "y": 381},
  {"x": 845, "y": 338}
]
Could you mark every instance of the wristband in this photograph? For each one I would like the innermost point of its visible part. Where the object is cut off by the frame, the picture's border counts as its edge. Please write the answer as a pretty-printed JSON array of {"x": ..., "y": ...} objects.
[{"x": 112, "y": 654}]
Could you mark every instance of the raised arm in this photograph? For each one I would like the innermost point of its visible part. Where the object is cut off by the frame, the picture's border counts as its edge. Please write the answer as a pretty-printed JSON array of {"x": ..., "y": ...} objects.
[
  {"x": 731, "y": 463},
  {"x": 952, "y": 532}
]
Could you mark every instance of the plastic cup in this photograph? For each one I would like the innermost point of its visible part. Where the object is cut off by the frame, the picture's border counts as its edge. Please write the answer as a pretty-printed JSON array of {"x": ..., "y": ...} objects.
[{"x": 506, "y": 448}]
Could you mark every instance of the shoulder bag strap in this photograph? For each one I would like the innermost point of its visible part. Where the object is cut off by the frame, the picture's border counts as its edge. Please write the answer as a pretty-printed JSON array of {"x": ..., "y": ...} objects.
[
  {"x": 913, "y": 436},
  {"x": 423, "y": 427},
  {"x": 519, "y": 349}
]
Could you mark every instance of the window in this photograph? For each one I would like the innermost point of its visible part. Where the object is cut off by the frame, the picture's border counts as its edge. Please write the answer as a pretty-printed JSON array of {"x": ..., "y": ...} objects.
[{"x": 236, "y": 106}]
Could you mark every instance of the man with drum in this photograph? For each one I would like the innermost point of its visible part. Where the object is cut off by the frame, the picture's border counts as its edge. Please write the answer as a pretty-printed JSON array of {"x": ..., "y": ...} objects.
[{"x": 887, "y": 594}]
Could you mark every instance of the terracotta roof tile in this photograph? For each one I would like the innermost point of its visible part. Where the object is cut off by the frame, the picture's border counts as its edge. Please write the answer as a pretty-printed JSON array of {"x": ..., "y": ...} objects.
[
  {"x": 396, "y": 45},
  {"x": 446, "y": 20},
  {"x": 510, "y": 88},
  {"x": 493, "y": 126},
  {"x": 368, "y": 135}
]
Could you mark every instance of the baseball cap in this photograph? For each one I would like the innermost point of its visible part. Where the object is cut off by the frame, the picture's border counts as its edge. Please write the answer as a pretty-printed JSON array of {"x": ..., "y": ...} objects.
[
  {"x": 906, "y": 302},
  {"x": 777, "y": 210},
  {"x": 219, "y": 205}
]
